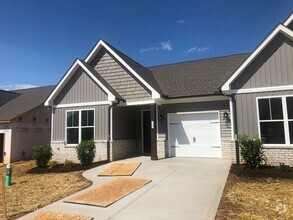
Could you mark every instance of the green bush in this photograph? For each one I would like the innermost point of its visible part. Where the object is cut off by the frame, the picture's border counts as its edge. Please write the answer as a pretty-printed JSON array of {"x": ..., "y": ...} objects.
[
  {"x": 68, "y": 164},
  {"x": 285, "y": 168},
  {"x": 86, "y": 151},
  {"x": 252, "y": 151},
  {"x": 42, "y": 155}
]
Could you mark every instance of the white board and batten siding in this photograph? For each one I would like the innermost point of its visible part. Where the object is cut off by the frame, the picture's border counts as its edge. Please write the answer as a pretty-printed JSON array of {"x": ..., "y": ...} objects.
[{"x": 195, "y": 134}]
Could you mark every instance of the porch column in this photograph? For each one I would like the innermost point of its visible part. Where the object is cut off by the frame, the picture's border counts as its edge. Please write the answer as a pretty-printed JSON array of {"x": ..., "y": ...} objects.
[{"x": 154, "y": 154}]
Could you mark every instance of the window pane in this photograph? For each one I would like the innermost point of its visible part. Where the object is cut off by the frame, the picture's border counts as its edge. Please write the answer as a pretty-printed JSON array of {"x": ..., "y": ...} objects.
[
  {"x": 87, "y": 118},
  {"x": 72, "y": 119},
  {"x": 84, "y": 118},
  {"x": 87, "y": 133},
  {"x": 290, "y": 107},
  {"x": 276, "y": 108},
  {"x": 272, "y": 132},
  {"x": 291, "y": 131},
  {"x": 91, "y": 118},
  {"x": 264, "y": 109},
  {"x": 72, "y": 135}
]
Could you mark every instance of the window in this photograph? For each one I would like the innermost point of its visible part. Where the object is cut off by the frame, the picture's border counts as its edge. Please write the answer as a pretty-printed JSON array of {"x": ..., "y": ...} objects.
[
  {"x": 276, "y": 120},
  {"x": 289, "y": 102},
  {"x": 80, "y": 126}
]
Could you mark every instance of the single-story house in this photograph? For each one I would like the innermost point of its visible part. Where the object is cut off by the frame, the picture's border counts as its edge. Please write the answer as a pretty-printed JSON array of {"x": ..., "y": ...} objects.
[
  {"x": 189, "y": 109},
  {"x": 24, "y": 122}
]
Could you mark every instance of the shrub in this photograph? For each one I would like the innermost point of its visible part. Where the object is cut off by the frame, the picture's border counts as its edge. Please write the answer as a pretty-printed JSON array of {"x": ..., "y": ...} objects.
[
  {"x": 53, "y": 164},
  {"x": 86, "y": 152},
  {"x": 42, "y": 155},
  {"x": 68, "y": 163},
  {"x": 252, "y": 151},
  {"x": 285, "y": 168}
]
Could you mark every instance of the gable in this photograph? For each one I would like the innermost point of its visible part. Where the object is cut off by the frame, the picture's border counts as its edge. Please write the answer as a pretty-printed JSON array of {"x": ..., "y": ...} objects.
[
  {"x": 80, "y": 88},
  {"x": 272, "y": 67},
  {"x": 119, "y": 78},
  {"x": 290, "y": 26}
]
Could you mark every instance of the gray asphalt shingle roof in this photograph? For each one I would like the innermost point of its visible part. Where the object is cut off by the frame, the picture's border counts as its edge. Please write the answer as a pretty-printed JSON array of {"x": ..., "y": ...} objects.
[
  {"x": 196, "y": 78},
  {"x": 27, "y": 100}
]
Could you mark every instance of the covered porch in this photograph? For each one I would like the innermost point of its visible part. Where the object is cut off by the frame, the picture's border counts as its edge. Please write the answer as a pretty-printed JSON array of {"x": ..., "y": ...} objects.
[{"x": 134, "y": 131}]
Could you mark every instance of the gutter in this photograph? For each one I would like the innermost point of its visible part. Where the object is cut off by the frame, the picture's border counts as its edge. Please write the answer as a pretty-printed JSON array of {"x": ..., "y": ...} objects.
[{"x": 4, "y": 122}]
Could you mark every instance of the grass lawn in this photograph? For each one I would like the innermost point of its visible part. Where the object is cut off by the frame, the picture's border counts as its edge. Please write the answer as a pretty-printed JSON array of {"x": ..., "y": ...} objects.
[
  {"x": 33, "y": 188},
  {"x": 266, "y": 193}
]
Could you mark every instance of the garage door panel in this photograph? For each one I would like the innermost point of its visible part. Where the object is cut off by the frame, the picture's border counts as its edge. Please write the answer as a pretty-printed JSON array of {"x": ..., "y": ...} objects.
[{"x": 195, "y": 135}]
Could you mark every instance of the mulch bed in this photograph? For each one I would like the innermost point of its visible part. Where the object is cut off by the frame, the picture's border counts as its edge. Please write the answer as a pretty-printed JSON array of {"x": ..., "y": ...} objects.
[
  {"x": 110, "y": 192},
  {"x": 33, "y": 188},
  {"x": 120, "y": 169},
  {"x": 265, "y": 193},
  {"x": 60, "y": 216}
]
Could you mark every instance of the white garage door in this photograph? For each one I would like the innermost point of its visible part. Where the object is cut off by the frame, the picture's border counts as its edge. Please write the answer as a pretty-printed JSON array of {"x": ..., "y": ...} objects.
[{"x": 195, "y": 135}]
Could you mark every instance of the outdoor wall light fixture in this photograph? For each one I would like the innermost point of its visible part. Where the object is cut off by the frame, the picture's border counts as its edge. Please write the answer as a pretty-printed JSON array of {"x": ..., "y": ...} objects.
[
  {"x": 47, "y": 119},
  {"x": 226, "y": 117},
  {"x": 161, "y": 117},
  {"x": 34, "y": 119}
]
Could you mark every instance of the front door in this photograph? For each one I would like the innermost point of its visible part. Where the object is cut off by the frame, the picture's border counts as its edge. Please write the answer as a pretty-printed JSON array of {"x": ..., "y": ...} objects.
[
  {"x": 146, "y": 131},
  {"x": 1, "y": 147}
]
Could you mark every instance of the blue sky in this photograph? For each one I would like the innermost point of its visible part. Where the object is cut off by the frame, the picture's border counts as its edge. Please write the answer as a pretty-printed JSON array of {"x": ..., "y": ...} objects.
[{"x": 40, "y": 39}]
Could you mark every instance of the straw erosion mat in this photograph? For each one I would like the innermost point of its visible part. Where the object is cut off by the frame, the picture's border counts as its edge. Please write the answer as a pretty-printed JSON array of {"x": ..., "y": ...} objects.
[
  {"x": 261, "y": 194},
  {"x": 33, "y": 188}
]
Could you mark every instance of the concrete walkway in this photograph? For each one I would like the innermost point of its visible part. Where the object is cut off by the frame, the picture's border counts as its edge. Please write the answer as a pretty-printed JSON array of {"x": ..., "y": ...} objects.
[{"x": 181, "y": 188}]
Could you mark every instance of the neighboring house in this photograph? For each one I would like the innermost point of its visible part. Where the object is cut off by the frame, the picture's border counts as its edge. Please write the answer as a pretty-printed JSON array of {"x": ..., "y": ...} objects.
[
  {"x": 24, "y": 122},
  {"x": 188, "y": 109}
]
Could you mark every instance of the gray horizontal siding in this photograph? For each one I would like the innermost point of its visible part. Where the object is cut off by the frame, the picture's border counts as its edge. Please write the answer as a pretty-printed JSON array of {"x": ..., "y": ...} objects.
[
  {"x": 273, "y": 67},
  {"x": 246, "y": 111},
  {"x": 119, "y": 79},
  {"x": 101, "y": 122},
  {"x": 221, "y": 106},
  {"x": 80, "y": 88}
]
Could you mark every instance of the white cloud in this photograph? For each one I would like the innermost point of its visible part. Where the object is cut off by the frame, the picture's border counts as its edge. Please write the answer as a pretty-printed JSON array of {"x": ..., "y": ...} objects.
[
  {"x": 198, "y": 49},
  {"x": 166, "y": 45},
  {"x": 14, "y": 86},
  {"x": 149, "y": 49},
  {"x": 181, "y": 21}
]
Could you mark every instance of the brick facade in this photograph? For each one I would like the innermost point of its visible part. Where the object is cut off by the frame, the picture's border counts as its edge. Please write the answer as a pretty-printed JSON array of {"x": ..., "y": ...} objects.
[
  {"x": 275, "y": 156},
  {"x": 120, "y": 149},
  {"x": 62, "y": 152}
]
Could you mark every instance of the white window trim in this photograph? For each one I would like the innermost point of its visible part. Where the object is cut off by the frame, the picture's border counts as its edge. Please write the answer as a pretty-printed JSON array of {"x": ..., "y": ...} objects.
[
  {"x": 285, "y": 120},
  {"x": 79, "y": 125}
]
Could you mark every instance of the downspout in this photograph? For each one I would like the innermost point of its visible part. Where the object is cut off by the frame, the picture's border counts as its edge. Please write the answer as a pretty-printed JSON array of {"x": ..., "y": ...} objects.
[
  {"x": 110, "y": 119},
  {"x": 110, "y": 127},
  {"x": 234, "y": 128}
]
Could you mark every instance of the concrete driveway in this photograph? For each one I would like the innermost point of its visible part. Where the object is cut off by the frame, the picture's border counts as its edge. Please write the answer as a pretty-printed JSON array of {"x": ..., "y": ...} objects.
[{"x": 181, "y": 188}]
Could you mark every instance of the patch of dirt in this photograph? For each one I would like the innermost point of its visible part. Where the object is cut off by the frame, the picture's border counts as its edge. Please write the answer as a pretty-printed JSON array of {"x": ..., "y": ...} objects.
[
  {"x": 59, "y": 216},
  {"x": 266, "y": 193},
  {"x": 33, "y": 188},
  {"x": 120, "y": 169},
  {"x": 110, "y": 192}
]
